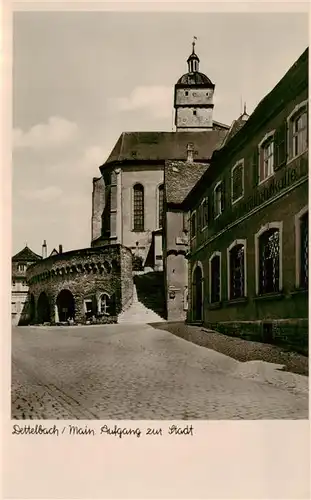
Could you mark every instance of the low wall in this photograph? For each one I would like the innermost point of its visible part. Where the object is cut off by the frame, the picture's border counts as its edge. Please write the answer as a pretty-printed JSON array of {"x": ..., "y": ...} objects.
[{"x": 291, "y": 333}]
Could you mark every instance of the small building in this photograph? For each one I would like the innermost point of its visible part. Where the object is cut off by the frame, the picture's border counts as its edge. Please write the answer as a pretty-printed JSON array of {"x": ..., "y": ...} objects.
[
  {"x": 81, "y": 286},
  {"x": 248, "y": 241},
  {"x": 19, "y": 292}
]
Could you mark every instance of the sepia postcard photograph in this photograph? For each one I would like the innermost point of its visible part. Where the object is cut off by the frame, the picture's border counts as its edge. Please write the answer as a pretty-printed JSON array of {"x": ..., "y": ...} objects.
[{"x": 159, "y": 217}]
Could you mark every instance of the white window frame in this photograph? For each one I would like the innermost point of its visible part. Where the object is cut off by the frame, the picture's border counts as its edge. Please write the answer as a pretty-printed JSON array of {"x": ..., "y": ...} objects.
[
  {"x": 290, "y": 121},
  {"x": 232, "y": 245},
  {"x": 201, "y": 208},
  {"x": 99, "y": 303},
  {"x": 267, "y": 138},
  {"x": 219, "y": 183},
  {"x": 214, "y": 254},
  {"x": 236, "y": 165},
  {"x": 298, "y": 216},
  {"x": 270, "y": 225},
  {"x": 198, "y": 263}
]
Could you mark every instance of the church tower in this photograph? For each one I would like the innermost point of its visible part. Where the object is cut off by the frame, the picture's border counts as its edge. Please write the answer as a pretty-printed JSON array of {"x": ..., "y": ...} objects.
[{"x": 193, "y": 98}]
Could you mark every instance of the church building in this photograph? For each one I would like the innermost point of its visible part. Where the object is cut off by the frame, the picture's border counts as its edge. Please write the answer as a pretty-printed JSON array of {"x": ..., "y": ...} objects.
[{"x": 128, "y": 196}]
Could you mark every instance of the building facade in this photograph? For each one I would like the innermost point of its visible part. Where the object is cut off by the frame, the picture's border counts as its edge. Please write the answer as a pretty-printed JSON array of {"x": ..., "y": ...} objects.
[
  {"x": 19, "y": 291},
  {"x": 248, "y": 240}
]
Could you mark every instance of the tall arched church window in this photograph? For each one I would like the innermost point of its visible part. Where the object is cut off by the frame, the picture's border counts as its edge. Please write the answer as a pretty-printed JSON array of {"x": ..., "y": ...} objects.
[
  {"x": 138, "y": 207},
  {"x": 160, "y": 205}
]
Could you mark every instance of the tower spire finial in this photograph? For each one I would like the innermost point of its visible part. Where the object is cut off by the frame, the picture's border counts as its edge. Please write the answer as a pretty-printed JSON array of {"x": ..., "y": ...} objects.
[{"x": 193, "y": 44}]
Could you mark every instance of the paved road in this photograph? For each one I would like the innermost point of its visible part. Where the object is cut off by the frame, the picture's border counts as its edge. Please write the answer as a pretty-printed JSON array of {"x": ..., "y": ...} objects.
[{"x": 138, "y": 372}]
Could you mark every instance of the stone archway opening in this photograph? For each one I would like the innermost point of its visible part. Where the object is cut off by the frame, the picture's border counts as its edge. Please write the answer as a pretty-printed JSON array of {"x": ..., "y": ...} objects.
[
  {"x": 197, "y": 305},
  {"x": 32, "y": 308},
  {"x": 43, "y": 308},
  {"x": 65, "y": 303}
]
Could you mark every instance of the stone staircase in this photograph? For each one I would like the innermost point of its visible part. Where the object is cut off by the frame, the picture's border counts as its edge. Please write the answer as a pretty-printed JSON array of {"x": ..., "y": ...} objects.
[
  {"x": 138, "y": 313},
  {"x": 150, "y": 291}
]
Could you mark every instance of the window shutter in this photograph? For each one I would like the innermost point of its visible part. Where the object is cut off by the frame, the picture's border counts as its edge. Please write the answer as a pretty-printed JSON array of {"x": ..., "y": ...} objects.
[
  {"x": 255, "y": 166},
  {"x": 280, "y": 145},
  {"x": 211, "y": 201},
  {"x": 223, "y": 193}
]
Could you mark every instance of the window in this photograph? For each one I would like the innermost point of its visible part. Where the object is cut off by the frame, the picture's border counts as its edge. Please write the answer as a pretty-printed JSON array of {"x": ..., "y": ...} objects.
[
  {"x": 298, "y": 130},
  {"x": 14, "y": 309},
  {"x": 300, "y": 134},
  {"x": 138, "y": 207},
  {"x": 193, "y": 228},
  {"x": 21, "y": 267},
  {"x": 104, "y": 305},
  {"x": 160, "y": 205},
  {"x": 304, "y": 237},
  {"x": 218, "y": 199},
  {"x": 215, "y": 278},
  {"x": 194, "y": 111},
  {"x": 186, "y": 93},
  {"x": 302, "y": 243},
  {"x": 236, "y": 270},
  {"x": 269, "y": 259},
  {"x": 204, "y": 214},
  {"x": 237, "y": 182},
  {"x": 266, "y": 158}
]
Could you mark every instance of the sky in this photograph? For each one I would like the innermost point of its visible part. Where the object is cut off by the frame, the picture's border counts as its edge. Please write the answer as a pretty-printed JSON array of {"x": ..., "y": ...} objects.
[{"x": 82, "y": 78}]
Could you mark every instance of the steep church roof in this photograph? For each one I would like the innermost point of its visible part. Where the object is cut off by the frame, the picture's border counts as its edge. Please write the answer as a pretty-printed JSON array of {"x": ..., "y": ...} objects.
[
  {"x": 161, "y": 146},
  {"x": 179, "y": 179},
  {"x": 26, "y": 255}
]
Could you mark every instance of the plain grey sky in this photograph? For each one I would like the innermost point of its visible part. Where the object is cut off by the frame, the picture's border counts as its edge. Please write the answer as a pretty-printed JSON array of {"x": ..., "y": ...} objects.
[{"x": 81, "y": 78}]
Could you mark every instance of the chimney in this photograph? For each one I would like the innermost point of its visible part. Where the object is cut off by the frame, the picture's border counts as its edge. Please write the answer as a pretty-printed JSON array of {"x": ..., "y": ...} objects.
[
  {"x": 190, "y": 152},
  {"x": 60, "y": 249},
  {"x": 44, "y": 250}
]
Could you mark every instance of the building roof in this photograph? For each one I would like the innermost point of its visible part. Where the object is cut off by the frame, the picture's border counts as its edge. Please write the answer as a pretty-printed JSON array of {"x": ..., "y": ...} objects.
[
  {"x": 235, "y": 127},
  {"x": 195, "y": 78},
  {"x": 180, "y": 177},
  {"x": 26, "y": 255},
  {"x": 161, "y": 146}
]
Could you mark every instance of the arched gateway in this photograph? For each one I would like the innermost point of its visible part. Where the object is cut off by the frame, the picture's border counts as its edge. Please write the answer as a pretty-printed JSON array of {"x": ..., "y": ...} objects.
[
  {"x": 43, "y": 308},
  {"x": 65, "y": 304}
]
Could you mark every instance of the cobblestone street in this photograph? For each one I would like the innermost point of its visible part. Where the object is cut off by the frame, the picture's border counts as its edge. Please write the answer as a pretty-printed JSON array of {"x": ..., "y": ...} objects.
[{"x": 138, "y": 372}]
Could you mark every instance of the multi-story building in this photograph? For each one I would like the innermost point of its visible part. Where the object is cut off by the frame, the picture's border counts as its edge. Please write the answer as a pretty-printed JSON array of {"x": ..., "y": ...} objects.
[{"x": 248, "y": 241}]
